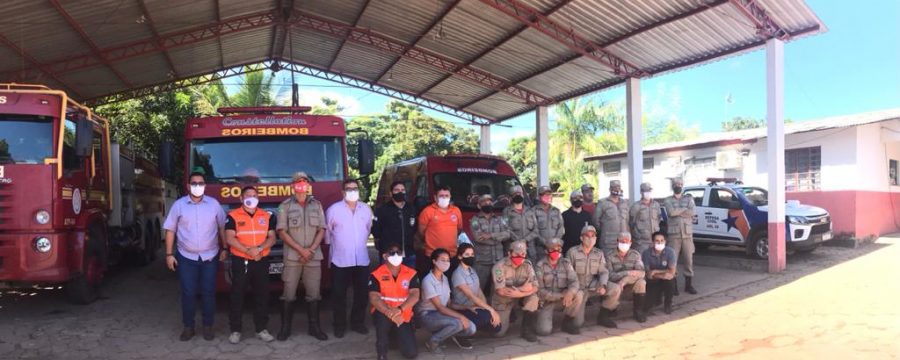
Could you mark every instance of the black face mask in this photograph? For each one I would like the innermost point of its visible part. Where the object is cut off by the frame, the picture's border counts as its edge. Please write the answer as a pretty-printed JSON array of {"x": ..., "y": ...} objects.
[
  {"x": 576, "y": 203},
  {"x": 518, "y": 199},
  {"x": 401, "y": 196},
  {"x": 487, "y": 209},
  {"x": 469, "y": 261},
  {"x": 677, "y": 189}
]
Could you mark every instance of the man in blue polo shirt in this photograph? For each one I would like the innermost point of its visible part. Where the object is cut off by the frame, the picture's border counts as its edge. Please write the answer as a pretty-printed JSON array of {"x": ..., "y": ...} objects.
[{"x": 659, "y": 262}]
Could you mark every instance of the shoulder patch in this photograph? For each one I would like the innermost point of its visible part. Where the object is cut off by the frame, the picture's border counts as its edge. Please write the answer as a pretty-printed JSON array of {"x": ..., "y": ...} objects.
[{"x": 498, "y": 275}]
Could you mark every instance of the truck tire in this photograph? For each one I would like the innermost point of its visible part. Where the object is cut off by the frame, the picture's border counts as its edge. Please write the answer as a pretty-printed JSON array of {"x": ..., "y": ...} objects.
[
  {"x": 758, "y": 246},
  {"x": 139, "y": 256},
  {"x": 84, "y": 286}
]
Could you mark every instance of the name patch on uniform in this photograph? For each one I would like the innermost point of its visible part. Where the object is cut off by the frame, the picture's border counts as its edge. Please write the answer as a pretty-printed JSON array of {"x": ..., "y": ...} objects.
[
  {"x": 262, "y": 221},
  {"x": 453, "y": 218},
  {"x": 405, "y": 284},
  {"x": 385, "y": 278},
  {"x": 241, "y": 223}
]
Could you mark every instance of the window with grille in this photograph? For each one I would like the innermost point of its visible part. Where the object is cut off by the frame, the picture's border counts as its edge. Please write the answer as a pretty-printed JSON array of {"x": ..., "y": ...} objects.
[
  {"x": 612, "y": 167},
  {"x": 648, "y": 163},
  {"x": 892, "y": 172},
  {"x": 802, "y": 169}
]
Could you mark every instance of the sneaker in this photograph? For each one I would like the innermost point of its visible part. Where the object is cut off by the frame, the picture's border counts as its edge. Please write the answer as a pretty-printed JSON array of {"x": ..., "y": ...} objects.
[
  {"x": 463, "y": 343},
  {"x": 234, "y": 338},
  {"x": 433, "y": 347},
  {"x": 265, "y": 336}
]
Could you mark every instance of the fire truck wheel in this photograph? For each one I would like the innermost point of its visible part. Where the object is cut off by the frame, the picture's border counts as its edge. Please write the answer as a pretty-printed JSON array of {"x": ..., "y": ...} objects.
[{"x": 84, "y": 287}]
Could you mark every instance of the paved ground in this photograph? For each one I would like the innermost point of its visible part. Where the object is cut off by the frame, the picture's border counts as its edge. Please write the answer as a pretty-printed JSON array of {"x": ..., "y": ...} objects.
[{"x": 833, "y": 303}]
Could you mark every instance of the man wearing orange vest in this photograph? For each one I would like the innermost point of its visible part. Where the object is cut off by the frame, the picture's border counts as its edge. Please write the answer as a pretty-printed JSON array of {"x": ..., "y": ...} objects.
[
  {"x": 250, "y": 234},
  {"x": 393, "y": 291}
]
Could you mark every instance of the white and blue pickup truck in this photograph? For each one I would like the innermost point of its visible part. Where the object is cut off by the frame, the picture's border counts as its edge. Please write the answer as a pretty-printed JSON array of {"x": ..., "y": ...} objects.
[{"x": 728, "y": 212}]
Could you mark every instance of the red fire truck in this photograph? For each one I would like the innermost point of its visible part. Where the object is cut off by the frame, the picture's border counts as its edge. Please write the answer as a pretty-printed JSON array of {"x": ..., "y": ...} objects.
[
  {"x": 264, "y": 147},
  {"x": 71, "y": 202}
]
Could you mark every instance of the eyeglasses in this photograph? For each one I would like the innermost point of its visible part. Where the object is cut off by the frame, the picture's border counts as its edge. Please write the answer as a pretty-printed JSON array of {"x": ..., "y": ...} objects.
[
  {"x": 197, "y": 183},
  {"x": 394, "y": 252}
]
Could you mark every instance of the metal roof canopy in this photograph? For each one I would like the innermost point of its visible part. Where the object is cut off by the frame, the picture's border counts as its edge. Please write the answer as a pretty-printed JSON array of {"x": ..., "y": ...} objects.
[{"x": 482, "y": 60}]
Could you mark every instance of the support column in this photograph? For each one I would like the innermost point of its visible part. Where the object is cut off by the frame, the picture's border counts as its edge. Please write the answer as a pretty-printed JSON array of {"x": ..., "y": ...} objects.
[
  {"x": 775, "y": 152},
  {"x": 542, "y": 125},
  {"x": 635, "y": 137},
  {"x": 485, "y": 140}
]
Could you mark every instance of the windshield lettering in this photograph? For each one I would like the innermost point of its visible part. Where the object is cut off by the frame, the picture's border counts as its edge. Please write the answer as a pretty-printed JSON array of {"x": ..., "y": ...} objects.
[{"x": 265, "y": 131}]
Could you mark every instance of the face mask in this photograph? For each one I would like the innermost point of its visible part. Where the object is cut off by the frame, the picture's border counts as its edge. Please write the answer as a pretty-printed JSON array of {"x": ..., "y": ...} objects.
[
  {"x": 443, "y": 202},
  {"x": 251, "y": 202},
  {"x": 351, "y": 196},
  {"x": 443, "y": 266},
  {"x": 469, "y": 261},
  {"x": 546, "y": 199},
  {"x": 646, "y": 194},
  {"x": 398, "y": 197},
  {"x": 624, "y": 247},
  {"x": 615, "y": 192},
  {"x": 395, "y": 260},
  {"x": 198, "y": 190},
  {"x": 554, "y": 255},
  {"x": 301, "y": 187},
  {"x": 517, "y": 260},
  {"x": 590, "y": 242},
  {"x": 659, "y": 247},
  {"x": 577, "y": 203},
  {"x": 518, "y": 199},
  {"x": 487, "y": 209},
  {"x": 677, "y": 189}
]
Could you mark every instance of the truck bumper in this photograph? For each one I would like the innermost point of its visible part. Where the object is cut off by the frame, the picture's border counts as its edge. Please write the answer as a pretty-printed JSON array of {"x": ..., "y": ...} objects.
[
  {"x": 811, "y": 242},
  {"x": 22, "y": 265}
]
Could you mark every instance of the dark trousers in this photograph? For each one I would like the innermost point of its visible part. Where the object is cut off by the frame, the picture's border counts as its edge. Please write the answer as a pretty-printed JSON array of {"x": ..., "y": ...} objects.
[
  {"x": 256, "y": 275},
  {"x": 657, "y": 289},
  {"x": 197, "y": 277},
  {"x": 482, "y": 320},
  {"x": 405, "y": 334},
  {"x": 342, "y": 278}
]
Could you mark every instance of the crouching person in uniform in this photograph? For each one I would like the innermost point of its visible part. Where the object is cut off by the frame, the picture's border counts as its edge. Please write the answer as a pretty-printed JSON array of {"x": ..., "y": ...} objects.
[
  {"x": 559, "y": 289},
  {"x": 626, "y": 268},
  {"x": 593, "y": 276},
  {"x": 393, "y": 291},
  {"x": 660, "y": 263},
  {"x": 301, "y": 225},
  {"x": 515, "y": 286}
]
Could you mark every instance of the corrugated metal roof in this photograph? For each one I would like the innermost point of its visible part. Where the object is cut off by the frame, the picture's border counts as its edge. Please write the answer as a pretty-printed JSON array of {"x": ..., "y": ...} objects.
[
  {"x": 710, "y": 139},
  {"x": 656, "y": 36}
]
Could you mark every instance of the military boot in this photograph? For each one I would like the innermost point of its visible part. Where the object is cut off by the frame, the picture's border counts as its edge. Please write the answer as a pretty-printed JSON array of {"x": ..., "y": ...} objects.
[
  {"x": 603, "y": 319},
  {"x": 569, "y": 327},
  {"x": 528, "y": 320},
  {"x": 313, "y": 314},
  {"x": 689, "y": 286},
  {"x": 638, "y": 311},
  {"x": 287, "y": 320}
]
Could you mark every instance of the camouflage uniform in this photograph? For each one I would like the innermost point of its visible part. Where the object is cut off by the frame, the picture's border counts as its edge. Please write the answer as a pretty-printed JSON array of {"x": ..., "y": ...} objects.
[
  {"x": 554, "y": 284},
  {"x": 644, "y": 221},
  {"x": 592, "y": 275},
  {"x": 549, "y": 226},
  {"x": 488, "y": 252},
  {"x": 612, "y": 218},
  {"x": 522, "y": 227},
  {"x": 505, "y": 274},
  {"x": 680, "y": 225},
  {"x": 619, "y": 278}
]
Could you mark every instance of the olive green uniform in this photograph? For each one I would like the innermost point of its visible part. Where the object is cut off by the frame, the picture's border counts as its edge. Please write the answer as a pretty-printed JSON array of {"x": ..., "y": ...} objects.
[
  {"x": 522, "y": 227},
  {"x": 488, "y": 251},
  {"x": 592, "y": 275},
  {"x": 507, "y": 275},
  {"x": 644, "y": 222},
  {"x": 680, "y": 224},
  {"x": 554, "y": 283},
  {"x": 619, "y": 278},
  {"x": 301, "y": 223},
  {"x": 612, "y": 218},
  {"x": 549, "y": 226}
]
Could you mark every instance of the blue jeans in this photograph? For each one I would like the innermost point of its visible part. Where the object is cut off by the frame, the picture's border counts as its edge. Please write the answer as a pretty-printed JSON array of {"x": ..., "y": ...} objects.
[
  {"x": 443, "y": 327},
  {"x": 196, "y": 277}
]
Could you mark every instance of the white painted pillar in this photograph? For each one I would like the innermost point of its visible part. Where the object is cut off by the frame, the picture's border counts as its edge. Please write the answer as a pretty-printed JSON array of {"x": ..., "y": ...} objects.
[
  {"x": 775, "y": 153},
  {"x": 635, "y": 137},
  {"x": 485, "y": 140},
  {"x": 542, "y": 124}
]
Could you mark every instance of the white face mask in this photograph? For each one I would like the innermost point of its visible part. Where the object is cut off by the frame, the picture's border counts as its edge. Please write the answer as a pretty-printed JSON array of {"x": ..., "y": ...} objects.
[
  {"x": 395, "y": 260},
  {"x": 351, "y": 196},
  {"x": 624, "y": 247},
  {"x": 443, "y": 202},
  {"x": 443, "y": 266},
  {"x": 659, "y": 247},
  {"x": 251, "y": 202},
  {"x": 647, "y": 195},
  {"x": 198, "y": 190}
]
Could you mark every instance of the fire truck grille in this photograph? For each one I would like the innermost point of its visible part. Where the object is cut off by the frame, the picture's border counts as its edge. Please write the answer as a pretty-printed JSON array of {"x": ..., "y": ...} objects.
[{"x": 6, "y": 204}]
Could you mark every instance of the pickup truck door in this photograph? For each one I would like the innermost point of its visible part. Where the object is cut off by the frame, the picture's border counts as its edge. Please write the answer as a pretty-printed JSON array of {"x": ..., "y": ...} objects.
[
  {"x": 699, "y": 196},
  {"x": 722, "y": 214}
]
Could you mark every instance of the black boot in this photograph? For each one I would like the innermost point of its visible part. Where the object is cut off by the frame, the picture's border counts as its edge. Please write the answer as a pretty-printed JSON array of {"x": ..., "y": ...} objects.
[
  {"x": 528, "y": 319},
  {"x": 312, "y": 313},
  {"x": 569, "y": 327},
  {"x": 287, "y": 320},
  {"x": 603, "y": 319},
  {"x": 667, "y": 297},
  {"x": 675, "y": 286},
  {"x": 688, "y": 286},
  {"x": 638, "y": 311}
]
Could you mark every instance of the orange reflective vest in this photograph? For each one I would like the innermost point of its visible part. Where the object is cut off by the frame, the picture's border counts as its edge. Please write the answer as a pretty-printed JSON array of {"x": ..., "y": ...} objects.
[
  {"x": 251, "y": 231},
  {"x": 394, "y": 292}
]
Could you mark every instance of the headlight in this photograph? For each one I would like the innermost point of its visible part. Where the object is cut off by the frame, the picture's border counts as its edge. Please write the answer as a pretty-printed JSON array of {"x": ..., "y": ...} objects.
[
  {"x": 42, "y": 217},
  {"x": 797, "y": 219},
  {"x": 42, "y": 244}
]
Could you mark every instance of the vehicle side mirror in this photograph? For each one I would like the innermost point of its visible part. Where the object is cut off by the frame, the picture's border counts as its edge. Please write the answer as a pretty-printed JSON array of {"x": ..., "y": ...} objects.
[
  {"x": 84, "y": 137},
  {"x": 366, "y": 156},
  {"x": 421, "y": 202},
  {"x": 166, "y": 159}
]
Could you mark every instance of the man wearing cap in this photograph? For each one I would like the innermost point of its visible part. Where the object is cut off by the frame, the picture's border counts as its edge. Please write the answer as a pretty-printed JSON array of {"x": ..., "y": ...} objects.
[
  {"x": 559, "y": 290},
  {"x": 626, "y": 268},
  {"x": 490, "y": 231},
  {"x": 549, "y": 223},
  {"x": 574, "y": 219},
  {"x": 612, "y": 216},
  {"x": 515, "y": 285},
  {"x": 301, "y": 226},
  {"x": 680, "y": 228},
  {"x": 521, "y": 219},
  {"x": 644, "y": 216},
  {"x": 588, "y": 192},
  {"x": 593, "y": 277}
]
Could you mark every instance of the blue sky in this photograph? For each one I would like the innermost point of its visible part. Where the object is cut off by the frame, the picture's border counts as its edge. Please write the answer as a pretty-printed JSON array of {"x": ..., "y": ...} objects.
[{"x": 853, "y": 67}]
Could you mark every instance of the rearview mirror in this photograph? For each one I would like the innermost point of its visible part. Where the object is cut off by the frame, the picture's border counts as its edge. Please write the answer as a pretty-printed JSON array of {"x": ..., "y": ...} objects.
[
  {"x": 84, "y": 137},
  {"x": 366, "y": 156},
  {"x": 166, "y": 160}
]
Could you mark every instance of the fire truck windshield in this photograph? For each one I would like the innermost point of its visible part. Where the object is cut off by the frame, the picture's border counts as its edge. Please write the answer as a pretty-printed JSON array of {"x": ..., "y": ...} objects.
[
  {"x": 465, "y": 188},
  {"x": 259, "y": 159},
  {"x": 25, "y": 139}
]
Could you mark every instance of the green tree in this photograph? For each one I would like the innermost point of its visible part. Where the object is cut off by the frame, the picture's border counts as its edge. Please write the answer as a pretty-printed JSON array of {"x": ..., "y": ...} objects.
[
  {"x": 522, "y": 156},
  {"x": 742, "y": 123},
  {"x": 255, "y": 90}
]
